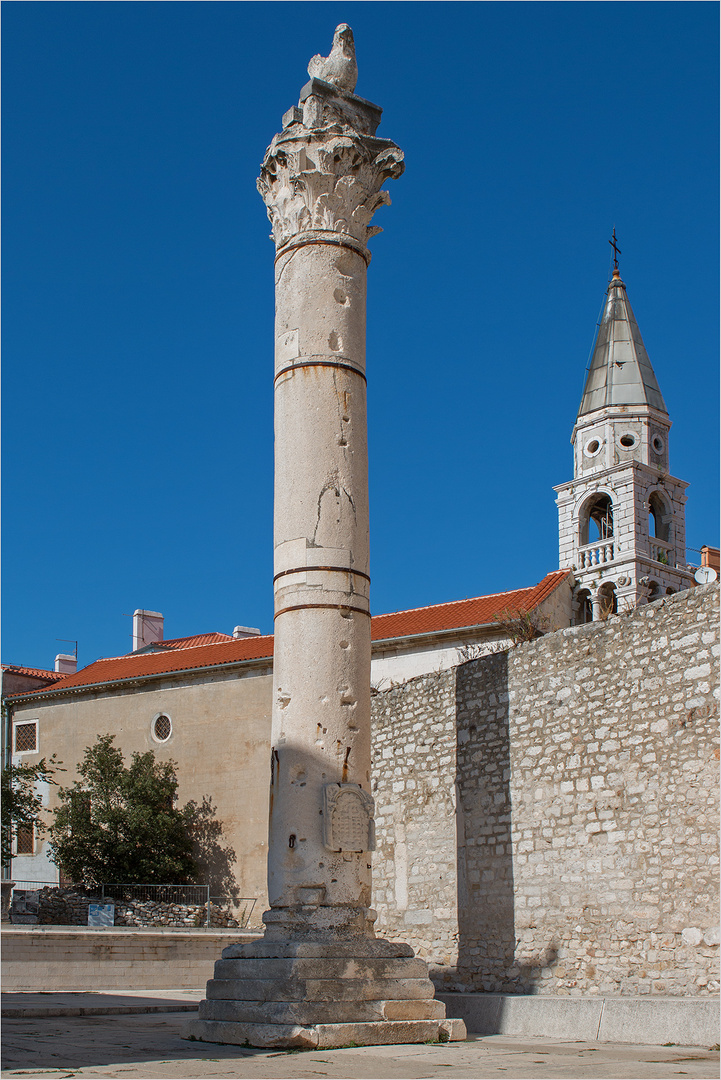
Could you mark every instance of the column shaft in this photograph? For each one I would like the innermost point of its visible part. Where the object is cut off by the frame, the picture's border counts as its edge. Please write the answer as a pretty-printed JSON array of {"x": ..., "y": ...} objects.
[{"x": 321, "y": 703}]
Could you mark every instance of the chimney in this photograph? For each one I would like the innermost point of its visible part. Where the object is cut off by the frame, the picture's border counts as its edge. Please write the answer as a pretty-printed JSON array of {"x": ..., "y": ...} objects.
[
  {"x": 245, "y": 631},
  {"x": 67, "y": 663},
  {"x": 147, "y": 628},
  {"x": 710, "y": 557}
]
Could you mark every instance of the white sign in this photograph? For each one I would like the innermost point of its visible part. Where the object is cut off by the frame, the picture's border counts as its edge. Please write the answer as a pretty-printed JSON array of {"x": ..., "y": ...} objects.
[{"x": 101, "y": 914}]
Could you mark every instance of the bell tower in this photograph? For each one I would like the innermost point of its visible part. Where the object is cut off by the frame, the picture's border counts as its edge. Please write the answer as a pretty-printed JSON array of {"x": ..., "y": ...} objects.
[{"x": 621, "y": 519}]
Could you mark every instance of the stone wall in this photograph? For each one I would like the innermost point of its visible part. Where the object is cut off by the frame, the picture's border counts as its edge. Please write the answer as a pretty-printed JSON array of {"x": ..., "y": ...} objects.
[
  {"x": 549, "y": 820},
  {"x": 43, "y": 958},
  {"x": 414, "y": 866}
]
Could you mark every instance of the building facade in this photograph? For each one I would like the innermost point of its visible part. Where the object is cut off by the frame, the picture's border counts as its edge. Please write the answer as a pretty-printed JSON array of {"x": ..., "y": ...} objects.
[{"x": 191, "y": 699}]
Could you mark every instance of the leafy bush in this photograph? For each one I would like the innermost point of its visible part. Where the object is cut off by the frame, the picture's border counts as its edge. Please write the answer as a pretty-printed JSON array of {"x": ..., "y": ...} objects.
[
  {"x": 119, "y": 823},
  {"x": 22, "y": 804}
]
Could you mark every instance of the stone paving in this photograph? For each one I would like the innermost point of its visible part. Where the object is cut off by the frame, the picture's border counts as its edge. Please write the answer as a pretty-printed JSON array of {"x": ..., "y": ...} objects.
[{"x": 148, "y": 1046}]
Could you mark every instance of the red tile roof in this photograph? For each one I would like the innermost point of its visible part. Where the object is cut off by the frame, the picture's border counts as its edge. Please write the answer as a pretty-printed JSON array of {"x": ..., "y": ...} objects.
[
  {"x": 478, "y": 611},
  {"x": 213, "y": 638},
  {"x": 141, "y": 664},
  {"x": 33, "y": 672}
]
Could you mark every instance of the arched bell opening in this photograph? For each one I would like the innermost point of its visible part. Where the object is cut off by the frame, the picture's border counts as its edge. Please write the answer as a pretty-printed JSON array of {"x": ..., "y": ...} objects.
[
  {"x": 659, "y": 518},
  {"x": 596, "y": 520}
]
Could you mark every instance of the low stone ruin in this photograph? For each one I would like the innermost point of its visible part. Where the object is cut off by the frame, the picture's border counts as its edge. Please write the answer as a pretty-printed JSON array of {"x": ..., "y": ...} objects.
[{"x": 58, "y": 906}]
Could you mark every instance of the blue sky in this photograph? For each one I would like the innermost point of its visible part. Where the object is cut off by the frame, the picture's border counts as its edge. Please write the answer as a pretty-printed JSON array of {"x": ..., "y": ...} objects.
[{"x": 138, "y": 291}]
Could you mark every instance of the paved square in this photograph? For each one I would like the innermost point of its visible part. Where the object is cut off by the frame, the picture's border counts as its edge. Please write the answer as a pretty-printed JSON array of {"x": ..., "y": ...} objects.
[{"x": 149, "y": 1047}]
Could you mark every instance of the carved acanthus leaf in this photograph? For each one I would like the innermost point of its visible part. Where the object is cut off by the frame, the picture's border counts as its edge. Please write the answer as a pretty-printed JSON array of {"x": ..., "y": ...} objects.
[{"x": 328, "y": 180}]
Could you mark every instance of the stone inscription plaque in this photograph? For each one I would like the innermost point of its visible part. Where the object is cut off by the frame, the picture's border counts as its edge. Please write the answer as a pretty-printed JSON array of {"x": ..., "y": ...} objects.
[{"x": 348, "y": 818}]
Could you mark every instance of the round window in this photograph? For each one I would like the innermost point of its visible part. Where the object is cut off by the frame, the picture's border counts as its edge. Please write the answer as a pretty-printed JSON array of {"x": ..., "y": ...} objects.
[
  {"x": 592, "y": 447},
  {"x": 162, "y": 728},
  {"x": 628, "y": 440},
  {"x": 658, "y": 444}
]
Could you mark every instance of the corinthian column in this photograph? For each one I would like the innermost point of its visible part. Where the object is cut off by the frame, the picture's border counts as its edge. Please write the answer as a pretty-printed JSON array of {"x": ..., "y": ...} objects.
[
  {"x": 320, "y": 977},
  {"x": 321, "y": 181}
]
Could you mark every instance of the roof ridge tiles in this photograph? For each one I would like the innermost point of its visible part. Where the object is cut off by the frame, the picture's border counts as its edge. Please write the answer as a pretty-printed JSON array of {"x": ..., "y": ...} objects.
[
  {"x": 41, "y": 673},
  {"x": 470, "y": 599}
]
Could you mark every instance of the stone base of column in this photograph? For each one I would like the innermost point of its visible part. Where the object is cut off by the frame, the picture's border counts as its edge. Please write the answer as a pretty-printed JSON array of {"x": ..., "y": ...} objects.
[{"x": 321, "y": 995}]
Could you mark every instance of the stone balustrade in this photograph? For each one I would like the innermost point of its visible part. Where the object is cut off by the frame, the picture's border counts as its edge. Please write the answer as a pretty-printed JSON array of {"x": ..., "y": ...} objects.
[
  {"x": 660, "y": 551},
  {"x": 596, "y": 554}
]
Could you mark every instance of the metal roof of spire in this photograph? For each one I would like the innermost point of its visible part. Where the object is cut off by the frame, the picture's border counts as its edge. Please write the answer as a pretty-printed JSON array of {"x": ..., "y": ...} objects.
[{"x": 620, "y": 371}]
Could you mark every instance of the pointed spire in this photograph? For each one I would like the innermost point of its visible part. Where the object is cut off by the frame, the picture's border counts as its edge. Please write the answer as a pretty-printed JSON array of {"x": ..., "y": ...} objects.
[{"x": 620, "y": 371}]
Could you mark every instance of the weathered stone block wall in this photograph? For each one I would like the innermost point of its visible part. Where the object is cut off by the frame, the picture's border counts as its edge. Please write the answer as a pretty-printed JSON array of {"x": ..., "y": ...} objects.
[
  {"x": 414, "y": 866},
  {"x": 586, "y": 843}
]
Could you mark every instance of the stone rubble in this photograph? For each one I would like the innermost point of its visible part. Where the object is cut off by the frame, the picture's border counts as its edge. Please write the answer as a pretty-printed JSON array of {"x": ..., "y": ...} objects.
[{"x": 68, "y": 907}]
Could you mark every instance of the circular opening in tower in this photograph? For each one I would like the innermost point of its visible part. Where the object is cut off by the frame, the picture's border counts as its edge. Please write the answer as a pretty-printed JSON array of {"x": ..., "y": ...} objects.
[
  {"x": 658, "y": 444},
  {"x": 592, "y": 447},
  {"x": 628, "y": 440},
  {"x": 162, "y": 728}
]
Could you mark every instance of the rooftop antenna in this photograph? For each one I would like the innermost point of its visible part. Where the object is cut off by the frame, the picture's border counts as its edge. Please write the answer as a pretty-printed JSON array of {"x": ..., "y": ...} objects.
[
  {"x": 616, "y": 253},
  {"x": 70, "y": 641}
]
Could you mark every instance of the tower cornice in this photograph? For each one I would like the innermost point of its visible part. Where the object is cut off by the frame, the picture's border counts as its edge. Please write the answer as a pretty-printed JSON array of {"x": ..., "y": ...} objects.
[
  {"x": 600, "y": 479},
  {"x": 619, "y": 413}
]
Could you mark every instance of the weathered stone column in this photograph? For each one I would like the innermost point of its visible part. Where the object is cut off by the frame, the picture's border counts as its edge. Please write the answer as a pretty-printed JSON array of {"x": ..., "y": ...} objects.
[
  {"x": 320, "y": 977},
  {"x": 321, "y": 181}
]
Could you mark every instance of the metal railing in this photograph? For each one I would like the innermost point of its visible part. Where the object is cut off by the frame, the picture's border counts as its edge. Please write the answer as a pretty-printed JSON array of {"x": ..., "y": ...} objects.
[{"x": 32, "y": 886}]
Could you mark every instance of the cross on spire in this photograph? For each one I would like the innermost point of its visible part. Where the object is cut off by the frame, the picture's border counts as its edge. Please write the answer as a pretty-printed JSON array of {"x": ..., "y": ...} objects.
[{"x": 616, "y": 251}]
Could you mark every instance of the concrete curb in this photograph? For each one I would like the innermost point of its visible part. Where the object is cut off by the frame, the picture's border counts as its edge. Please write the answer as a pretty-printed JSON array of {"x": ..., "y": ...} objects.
[
  {"x": 29, "y": 1012},
  {"x": 650, "y": 1020},
  {"x": 31, "y": 1005}
]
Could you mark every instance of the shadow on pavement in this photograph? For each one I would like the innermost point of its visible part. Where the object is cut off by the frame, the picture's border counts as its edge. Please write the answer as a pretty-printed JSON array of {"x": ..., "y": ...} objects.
[{"x": 76, "y": 1042}]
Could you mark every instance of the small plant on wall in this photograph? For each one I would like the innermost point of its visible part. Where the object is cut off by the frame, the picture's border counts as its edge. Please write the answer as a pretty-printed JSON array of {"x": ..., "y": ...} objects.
[{"x": 522, "y": 626}]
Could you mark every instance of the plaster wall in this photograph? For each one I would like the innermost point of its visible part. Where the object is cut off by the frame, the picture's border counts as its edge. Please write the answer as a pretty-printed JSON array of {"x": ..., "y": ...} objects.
[{"x": 393, "y": 664}]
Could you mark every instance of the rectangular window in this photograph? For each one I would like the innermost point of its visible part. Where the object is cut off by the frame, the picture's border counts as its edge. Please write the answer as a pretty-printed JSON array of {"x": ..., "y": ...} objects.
[
  {"x": 25, "y": 737},
  {"x": 25, "y": 843}
]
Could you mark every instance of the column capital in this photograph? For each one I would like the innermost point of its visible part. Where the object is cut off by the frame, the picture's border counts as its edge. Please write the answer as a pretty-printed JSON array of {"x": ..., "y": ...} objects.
[{"x": 324, "y": 171}]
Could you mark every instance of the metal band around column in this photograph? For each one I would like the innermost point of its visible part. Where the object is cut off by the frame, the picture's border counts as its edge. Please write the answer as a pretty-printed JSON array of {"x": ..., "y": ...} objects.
[
  {"x": 329, "y": 607},
  {"x": 329, "y": 569},
  {"x": 294, "y": 245},
  {"x": 321, "y": 363}
]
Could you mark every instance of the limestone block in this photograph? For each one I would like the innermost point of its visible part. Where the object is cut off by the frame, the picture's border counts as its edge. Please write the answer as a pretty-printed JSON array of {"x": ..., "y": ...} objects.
[
  {"x": 361, "y": 948},
  {"x": 310, "y": 1012},
  {"x": 322, "y": 968},
  {"x": 325, "y": 1036},
  {"x": 319, "y": 989}
]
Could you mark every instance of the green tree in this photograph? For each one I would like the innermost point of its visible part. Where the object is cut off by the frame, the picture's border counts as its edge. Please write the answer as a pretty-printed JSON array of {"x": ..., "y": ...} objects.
[
  {"x": 22, "y": 804},
  {"x": 118, "y": 823}
]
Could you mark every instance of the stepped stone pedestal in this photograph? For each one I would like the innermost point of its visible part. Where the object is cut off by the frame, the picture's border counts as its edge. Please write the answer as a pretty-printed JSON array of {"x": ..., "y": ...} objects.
[
  {"x": 320, "y": 978},
  {"x": 321, "y": 995}
]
